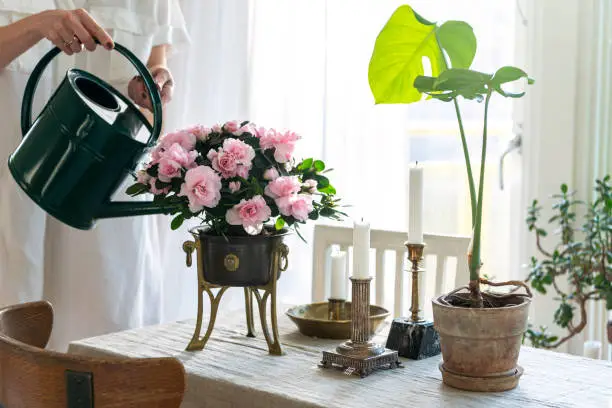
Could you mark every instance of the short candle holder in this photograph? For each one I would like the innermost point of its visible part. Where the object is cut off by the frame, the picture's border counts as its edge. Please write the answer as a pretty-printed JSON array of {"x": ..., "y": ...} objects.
[
  {"x": 336, "y": 309},
  {"x": 414, "y": 337},
  {"x": 360, "y": 355}
]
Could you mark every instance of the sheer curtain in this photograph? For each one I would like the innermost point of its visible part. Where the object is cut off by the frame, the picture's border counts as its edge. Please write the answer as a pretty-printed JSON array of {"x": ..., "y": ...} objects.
[{"x": 302, "y": 64}]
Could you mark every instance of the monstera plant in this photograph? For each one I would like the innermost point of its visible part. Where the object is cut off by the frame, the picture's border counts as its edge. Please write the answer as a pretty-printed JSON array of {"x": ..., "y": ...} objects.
[{"x": 397, "y": 74}]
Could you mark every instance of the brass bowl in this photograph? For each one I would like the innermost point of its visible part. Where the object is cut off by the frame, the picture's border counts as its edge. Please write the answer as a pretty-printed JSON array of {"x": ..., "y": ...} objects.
[{"x": 312, "y": 320}]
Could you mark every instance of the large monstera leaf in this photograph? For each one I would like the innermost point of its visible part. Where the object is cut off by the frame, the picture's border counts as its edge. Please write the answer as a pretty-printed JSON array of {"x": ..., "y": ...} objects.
[{"x": 407, "y": 38}]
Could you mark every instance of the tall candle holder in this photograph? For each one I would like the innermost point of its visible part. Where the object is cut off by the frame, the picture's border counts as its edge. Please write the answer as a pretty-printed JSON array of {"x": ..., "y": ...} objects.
[
  {"x": 336, "y": 309},
  {"x": 360, "y": 355},
  {"x": 414, "y": 337}
]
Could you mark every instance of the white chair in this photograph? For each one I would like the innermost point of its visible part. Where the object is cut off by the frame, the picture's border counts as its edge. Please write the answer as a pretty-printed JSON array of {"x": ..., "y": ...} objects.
[{"x": 443, "y": 248}]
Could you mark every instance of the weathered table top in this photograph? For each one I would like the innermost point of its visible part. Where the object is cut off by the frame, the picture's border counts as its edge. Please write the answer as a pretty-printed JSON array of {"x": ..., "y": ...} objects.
[{"x": 234, "y": 371}]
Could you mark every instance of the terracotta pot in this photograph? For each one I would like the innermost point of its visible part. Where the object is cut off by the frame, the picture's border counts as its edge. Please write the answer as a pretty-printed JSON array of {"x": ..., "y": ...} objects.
[{"x": 480, "y": 347}]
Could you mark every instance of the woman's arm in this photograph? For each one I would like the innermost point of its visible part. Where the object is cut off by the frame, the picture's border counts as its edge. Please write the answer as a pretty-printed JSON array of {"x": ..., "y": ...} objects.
[
  {"x": 17, "y": 38},
  {"x": 67, "y": 29},
  {"x": 157, "y": 64},
  {"x": 158, "y": 56}
]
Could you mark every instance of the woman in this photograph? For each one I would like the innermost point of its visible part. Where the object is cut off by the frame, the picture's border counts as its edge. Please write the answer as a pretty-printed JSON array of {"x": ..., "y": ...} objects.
[{"x": 106, "y": 279}]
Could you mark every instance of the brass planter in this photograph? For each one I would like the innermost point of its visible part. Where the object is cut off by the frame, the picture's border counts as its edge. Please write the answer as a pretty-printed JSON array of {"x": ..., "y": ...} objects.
[
  {"x": 237, "y": 261},
  {"x": 313, "y": 320},
  {"x": 480, "y": 347},
  {"x": 254, "y": 263}
]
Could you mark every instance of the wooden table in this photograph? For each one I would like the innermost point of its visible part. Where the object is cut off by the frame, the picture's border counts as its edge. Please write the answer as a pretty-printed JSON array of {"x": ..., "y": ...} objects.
[{"x": 234, "y": 371}]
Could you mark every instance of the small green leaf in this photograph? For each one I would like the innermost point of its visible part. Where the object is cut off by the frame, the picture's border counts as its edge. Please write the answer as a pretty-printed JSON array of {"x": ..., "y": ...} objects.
[
  {"x": 564, "y": 188},
  {"x": 279, "y": 224},
  {"x": 319, "y": 165},
  {"x": 328, "y": 190},
  {"x": 509, "y": 74},
  {"x": 322, "y": 182},
  {"x": 305, "y": 164},
  {"x": 136, "y": 189},
  {"x": 177, "y": 222},
  {"x": 458, "y": 40},
  {"x": 425, "y": 83}
]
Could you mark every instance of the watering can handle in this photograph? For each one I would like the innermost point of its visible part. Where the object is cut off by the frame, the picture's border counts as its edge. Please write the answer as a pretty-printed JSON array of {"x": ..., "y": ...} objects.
[{"x": 151, "y": 86}]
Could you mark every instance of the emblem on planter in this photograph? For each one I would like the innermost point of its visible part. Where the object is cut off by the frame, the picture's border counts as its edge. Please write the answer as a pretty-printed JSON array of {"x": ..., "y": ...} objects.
[{"x": 231, "y": 262}]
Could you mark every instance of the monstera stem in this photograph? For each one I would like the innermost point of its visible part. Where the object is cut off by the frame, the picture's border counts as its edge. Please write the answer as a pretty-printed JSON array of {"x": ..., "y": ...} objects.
[
  {"x": 475, "y": 263},
  {"x": 468, "y": 165}
]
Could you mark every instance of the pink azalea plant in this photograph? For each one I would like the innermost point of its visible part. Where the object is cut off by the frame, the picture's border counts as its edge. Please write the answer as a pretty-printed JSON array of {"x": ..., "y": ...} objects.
[{"x": 236, "y": 177}]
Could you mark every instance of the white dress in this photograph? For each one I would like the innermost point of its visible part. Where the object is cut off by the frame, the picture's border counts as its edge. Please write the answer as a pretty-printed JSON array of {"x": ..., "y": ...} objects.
[{"x": 109, "y": 278}]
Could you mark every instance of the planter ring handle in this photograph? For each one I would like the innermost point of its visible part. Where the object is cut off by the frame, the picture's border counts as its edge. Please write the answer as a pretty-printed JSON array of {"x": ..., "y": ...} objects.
[{"x": 283, "y": 251}]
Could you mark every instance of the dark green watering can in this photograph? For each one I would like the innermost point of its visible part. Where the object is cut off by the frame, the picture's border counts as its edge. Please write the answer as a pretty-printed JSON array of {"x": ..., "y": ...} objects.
[{"x": 83, "y": 145}]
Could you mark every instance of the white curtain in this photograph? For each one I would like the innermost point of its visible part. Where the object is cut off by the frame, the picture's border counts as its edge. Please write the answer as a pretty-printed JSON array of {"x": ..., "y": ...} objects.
[{"x": 302, "y": 64}]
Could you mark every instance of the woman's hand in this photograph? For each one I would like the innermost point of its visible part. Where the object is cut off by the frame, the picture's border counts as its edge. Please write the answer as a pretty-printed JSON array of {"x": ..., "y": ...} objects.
[
  {"x": 69, "y": 30},
  {"x": 165, "y": 84}
]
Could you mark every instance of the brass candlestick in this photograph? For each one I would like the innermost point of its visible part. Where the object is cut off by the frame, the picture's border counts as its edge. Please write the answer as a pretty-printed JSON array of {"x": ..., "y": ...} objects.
[
  {"x": 336, "y": 309},
  {"x": 414, "y": 337},
  {"x": 415, "y": 256},
  {"x": 360, "y": 355}
]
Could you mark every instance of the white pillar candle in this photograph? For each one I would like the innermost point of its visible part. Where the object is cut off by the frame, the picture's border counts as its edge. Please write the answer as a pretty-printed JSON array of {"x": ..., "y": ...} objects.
[
  {"x": 592, "y": 349},
  {"x": 361, "y": 250},
  {"x": 415, "y": 205},
  {"x": 338, "y": 276}
]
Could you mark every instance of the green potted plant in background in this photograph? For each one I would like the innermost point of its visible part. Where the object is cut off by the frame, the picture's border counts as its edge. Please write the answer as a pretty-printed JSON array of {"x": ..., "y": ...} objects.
[
  {"x": 480, "y": 331},
  {"x": 582, "y": 257}
]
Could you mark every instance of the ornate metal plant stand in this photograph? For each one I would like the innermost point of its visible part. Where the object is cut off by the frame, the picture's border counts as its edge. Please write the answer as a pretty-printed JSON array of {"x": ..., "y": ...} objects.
[
  {"x": 414, "y": 337},
  {"x": 360, "y": 355},
  {"x": 279, "y": 264}
]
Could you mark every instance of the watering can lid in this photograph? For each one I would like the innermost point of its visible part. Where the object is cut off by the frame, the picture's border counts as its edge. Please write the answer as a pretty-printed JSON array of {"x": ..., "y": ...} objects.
[{"x": 107, "y": 102}]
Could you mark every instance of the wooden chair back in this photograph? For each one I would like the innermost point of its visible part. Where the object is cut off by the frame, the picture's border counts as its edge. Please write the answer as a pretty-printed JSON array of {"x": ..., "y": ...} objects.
[{"x": 31, "y": 377}]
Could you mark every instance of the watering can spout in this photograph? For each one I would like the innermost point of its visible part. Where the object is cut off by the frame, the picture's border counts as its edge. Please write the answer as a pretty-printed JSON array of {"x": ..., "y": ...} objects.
[{"x": 118, "y": 209}]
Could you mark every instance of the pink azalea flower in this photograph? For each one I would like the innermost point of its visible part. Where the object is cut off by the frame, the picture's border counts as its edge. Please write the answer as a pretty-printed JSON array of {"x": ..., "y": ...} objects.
[
  {"x": 172, "y": 160},
  {"x": 216, "y": 128},
  {"x": 297, "y": 206},
  {"x": 248, "y": 128},
  {"x": 282, "y": 143},
  {"x": 283, "y": 187},
  {"x": 155, "y": 190},
  {"x": 200, "y": 132},
  {"x": 234, "y": 186},
  {"x": 310, "y": 185},
  {"x": 168, "y": 169},
  {"x": 260, "y": 131},
  {"x": 233, "y": 159},
  {"x": 231, "y": 126},
  {"x": 156, "y": 153},
  {"x": 224, "y": 163},
  {"x": 251, "y": 214},
  {"x": 143, "y": 177},
  {"x": 202, "y": 187},
  {"x": 271, "y": 174},
  {"x": 186, "y": 139}
]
